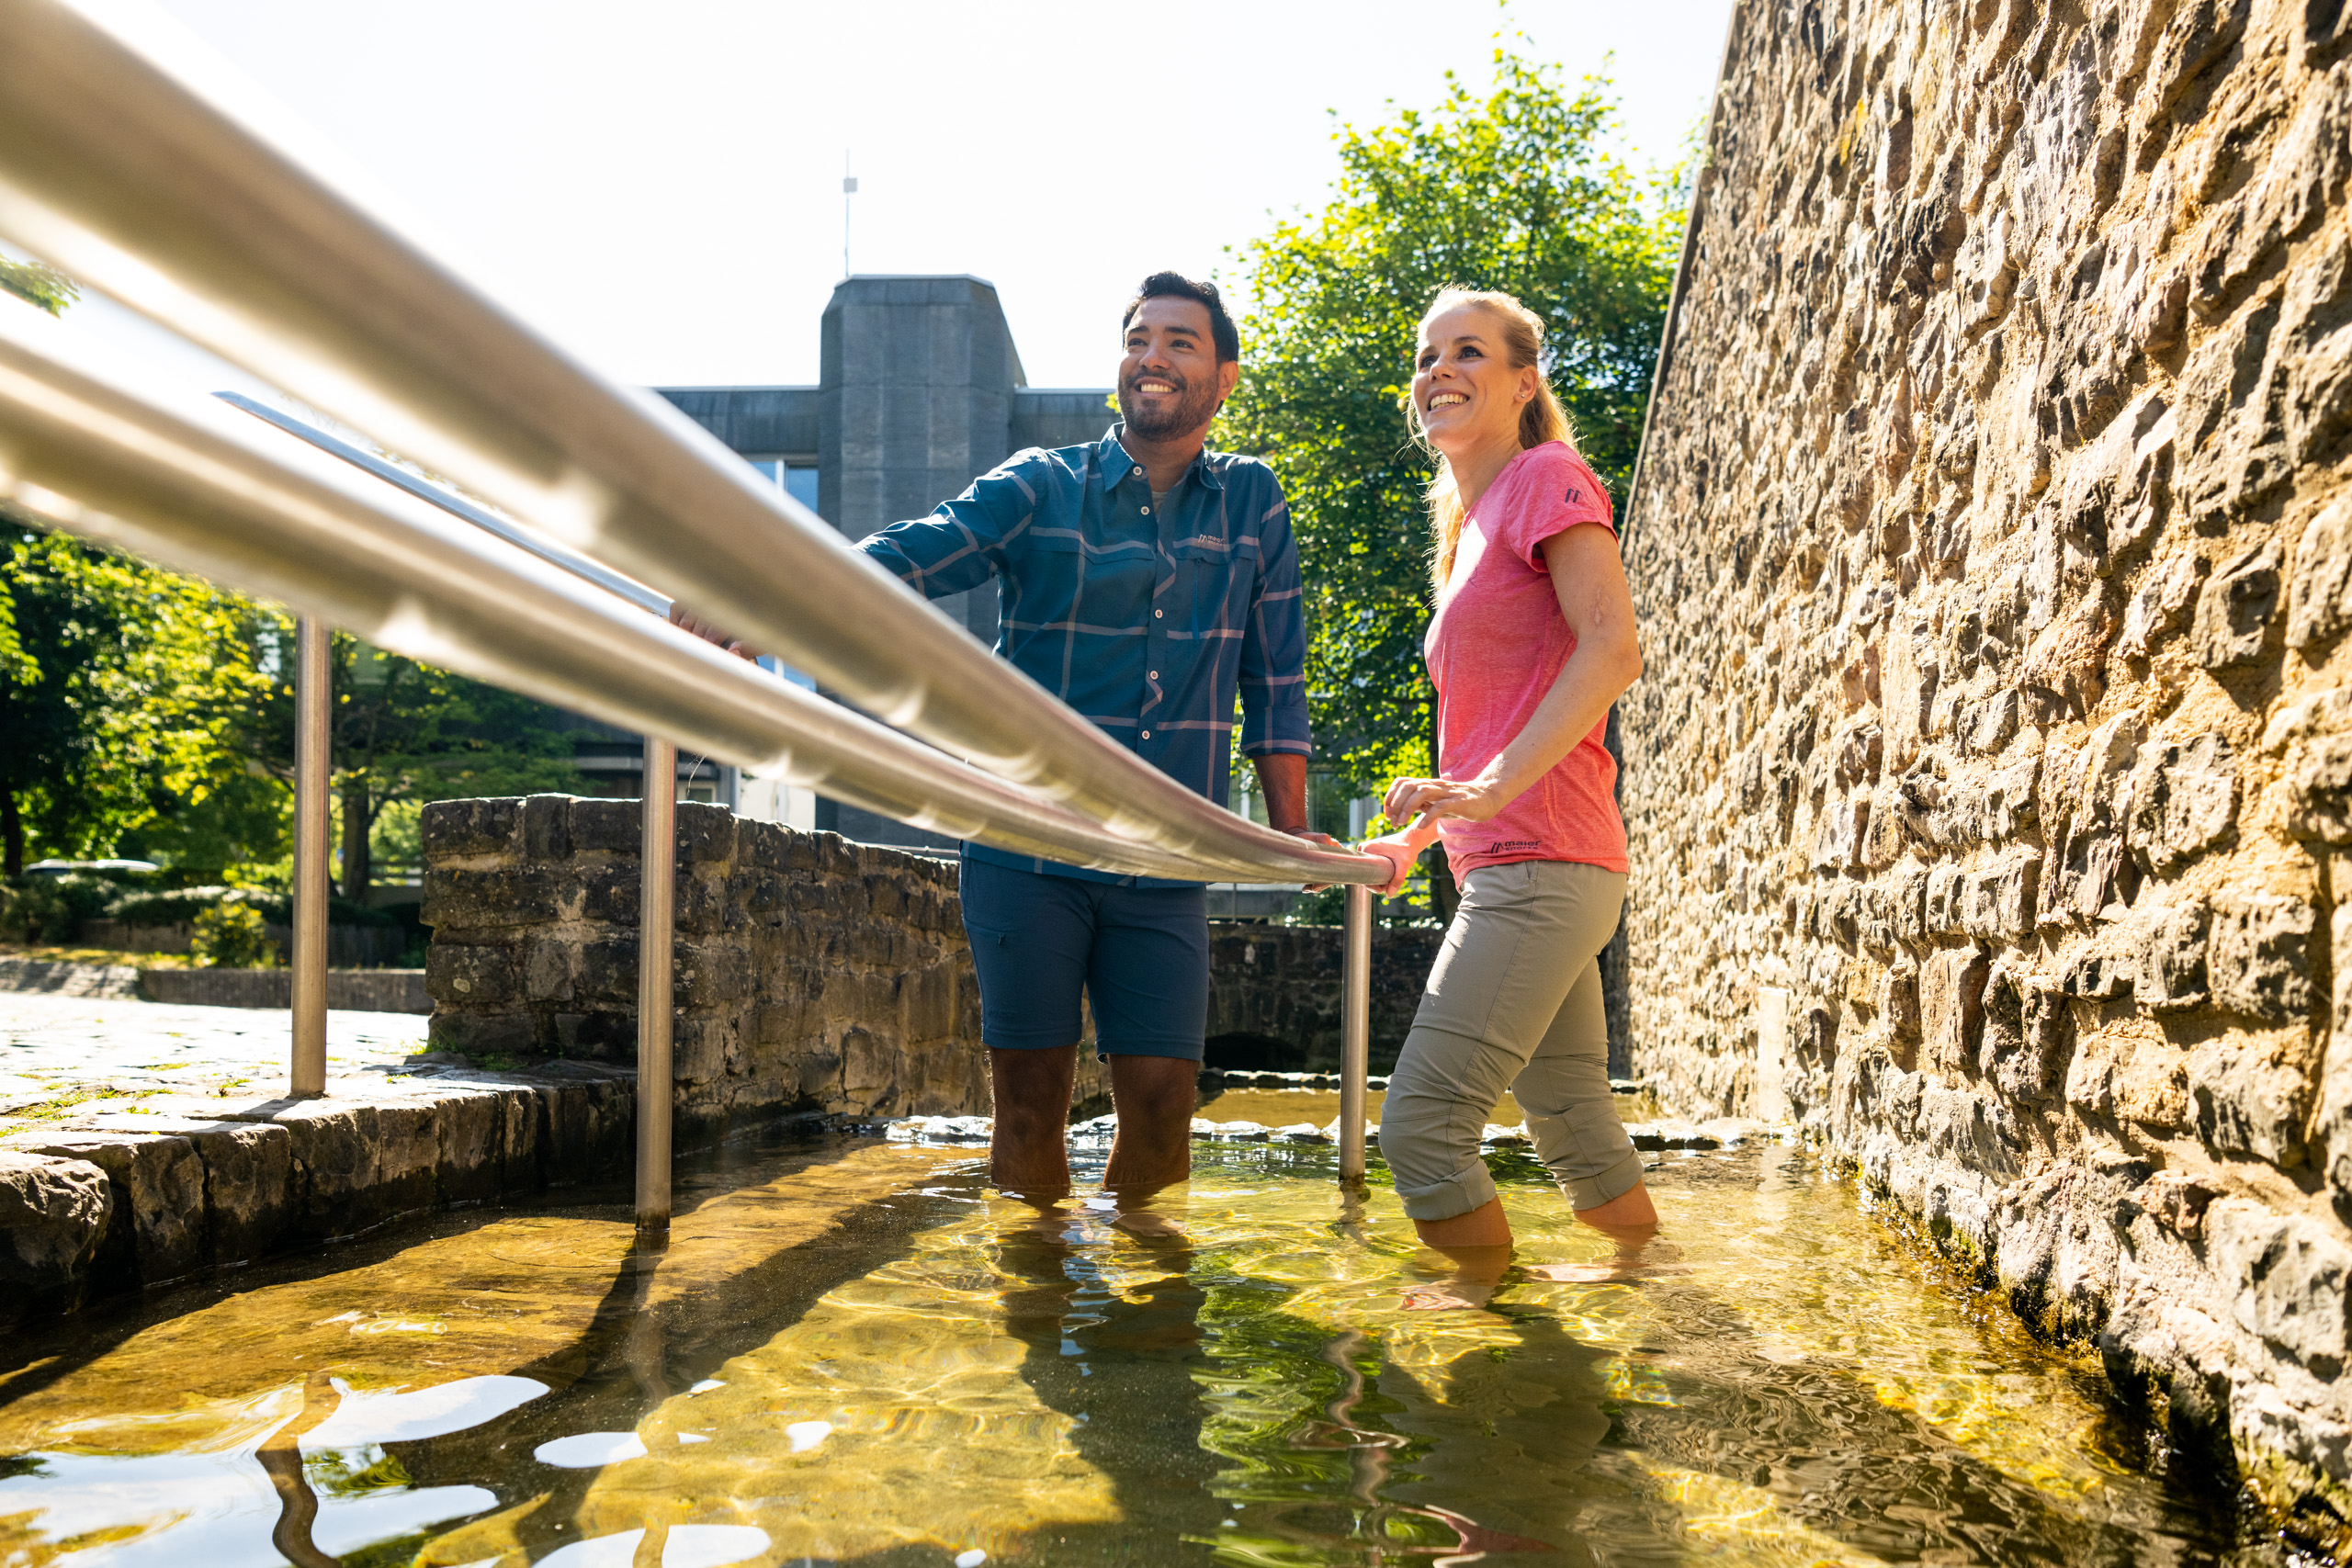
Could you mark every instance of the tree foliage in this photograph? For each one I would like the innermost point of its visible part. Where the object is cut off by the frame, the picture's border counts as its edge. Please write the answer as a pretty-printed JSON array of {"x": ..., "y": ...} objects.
[
  {"x": 399, "y": 730},
  {"x": 44, "y": 286},
  {"x": 1509, "y": 190},
  {"x": 113, "y": 699},
  {"x": 152, "y": 714}
]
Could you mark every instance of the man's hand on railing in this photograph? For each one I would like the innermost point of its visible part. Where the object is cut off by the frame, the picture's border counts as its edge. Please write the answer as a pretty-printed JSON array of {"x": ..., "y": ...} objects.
[
  {"x": 686, "y": 619},
  {"x": 1321, "y": 841}
]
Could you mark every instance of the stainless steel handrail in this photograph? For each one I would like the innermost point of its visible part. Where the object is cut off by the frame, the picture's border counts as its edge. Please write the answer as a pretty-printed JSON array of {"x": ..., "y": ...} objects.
[
  {"x": 586, "y": 567},
  {"x": 194, "y": 484},
  {"x": 135, "y": 161}
]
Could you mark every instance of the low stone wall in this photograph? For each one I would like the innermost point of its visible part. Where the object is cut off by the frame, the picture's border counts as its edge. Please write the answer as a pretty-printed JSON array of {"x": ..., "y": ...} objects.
[
  {"x": 811, "y": 972},
  {"x": 361, "y": 990},
  {"x": 117, "y": 1201},
  {"x": 1274, "y": 993},
  {"x": 352, "y": 945}
]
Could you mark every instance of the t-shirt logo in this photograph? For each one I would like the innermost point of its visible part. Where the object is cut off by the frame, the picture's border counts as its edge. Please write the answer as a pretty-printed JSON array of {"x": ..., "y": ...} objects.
[{"x": 1575, "y": 495}]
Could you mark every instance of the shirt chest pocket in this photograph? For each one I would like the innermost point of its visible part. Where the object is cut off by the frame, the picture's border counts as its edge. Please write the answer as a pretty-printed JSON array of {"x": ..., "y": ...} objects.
[{"x": 1216, "y": 553}]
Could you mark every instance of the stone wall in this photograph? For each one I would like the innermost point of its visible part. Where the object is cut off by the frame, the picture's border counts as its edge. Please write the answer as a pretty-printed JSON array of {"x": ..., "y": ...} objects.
[
  {"x": 811, "y": 972},
  {"x": 1988, "y": 786},
  {"x": 1274, "y": 993}
]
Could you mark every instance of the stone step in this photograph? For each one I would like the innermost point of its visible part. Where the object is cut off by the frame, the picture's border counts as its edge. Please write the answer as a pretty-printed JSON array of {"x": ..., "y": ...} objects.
[{"x": 123, "y": 1200}]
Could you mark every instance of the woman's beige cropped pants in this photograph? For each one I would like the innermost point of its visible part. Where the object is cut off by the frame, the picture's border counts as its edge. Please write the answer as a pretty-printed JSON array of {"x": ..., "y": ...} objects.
[{"x": 1513, "y": 1002}]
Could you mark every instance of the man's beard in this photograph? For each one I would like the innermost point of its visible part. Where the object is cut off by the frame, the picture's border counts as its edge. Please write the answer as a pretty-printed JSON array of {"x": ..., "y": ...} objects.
[{"x": 1192, "y": 408}]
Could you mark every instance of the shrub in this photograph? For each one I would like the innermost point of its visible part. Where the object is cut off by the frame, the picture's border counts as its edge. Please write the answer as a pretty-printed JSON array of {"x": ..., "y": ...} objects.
[
  {"x": 50, "y": 908},
  {"x": 234, "y": 936},
  {"x": 163, "y": 907}
]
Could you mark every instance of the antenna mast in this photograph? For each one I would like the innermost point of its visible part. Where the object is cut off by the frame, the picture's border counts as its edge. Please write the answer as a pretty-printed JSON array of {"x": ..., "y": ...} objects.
[{"x": 849, "y": 189}]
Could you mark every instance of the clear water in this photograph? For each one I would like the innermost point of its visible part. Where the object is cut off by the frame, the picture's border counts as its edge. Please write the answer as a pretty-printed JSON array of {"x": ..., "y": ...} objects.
[{"x": 854, "y": 1351}]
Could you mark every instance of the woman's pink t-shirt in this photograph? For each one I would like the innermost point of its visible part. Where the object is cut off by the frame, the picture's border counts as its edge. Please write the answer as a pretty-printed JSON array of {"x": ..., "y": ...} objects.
[{"x": 1495, "y": 647}]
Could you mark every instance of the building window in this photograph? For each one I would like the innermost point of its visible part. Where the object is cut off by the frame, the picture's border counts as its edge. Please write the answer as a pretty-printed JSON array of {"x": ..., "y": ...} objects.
[{"x": 797, "y": 479}]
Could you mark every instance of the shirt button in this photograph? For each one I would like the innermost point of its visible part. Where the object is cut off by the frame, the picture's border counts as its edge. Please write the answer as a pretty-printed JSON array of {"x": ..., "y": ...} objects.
[
  {"x": 1137, "y": 470},
  {"x": 1145, "y": 510},
  {"x": 1151, "y": 676},
  {"x": 1156, "y": 614},
  {"x": 1147, "y": 735}
]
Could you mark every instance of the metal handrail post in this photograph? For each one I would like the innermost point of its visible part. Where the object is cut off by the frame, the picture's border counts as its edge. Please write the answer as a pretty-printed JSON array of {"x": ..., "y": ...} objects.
[
  {"x": 308, "y": 1074},
  {"x": 1355, "y": 1031},
  {"x": 656, "y": 912}
]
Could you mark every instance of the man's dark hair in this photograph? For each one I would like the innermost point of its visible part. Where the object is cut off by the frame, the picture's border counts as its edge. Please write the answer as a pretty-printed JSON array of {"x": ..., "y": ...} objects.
[{"x": 1165, "y": 284}]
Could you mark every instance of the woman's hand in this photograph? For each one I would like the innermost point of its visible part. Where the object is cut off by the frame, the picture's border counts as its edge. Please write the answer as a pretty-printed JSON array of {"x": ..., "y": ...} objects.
[
  {"x": 686, "y": 620},
  {"x": 1402, "y": 855},
  {"x": 1472, "y": 800}
]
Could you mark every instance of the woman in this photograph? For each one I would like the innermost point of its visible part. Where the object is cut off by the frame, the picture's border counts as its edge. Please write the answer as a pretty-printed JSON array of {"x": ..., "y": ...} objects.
[{"x": 1532, "y": 640}]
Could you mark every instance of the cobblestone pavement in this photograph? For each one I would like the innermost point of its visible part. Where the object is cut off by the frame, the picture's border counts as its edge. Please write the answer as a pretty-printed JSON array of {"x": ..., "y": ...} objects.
[{"x": 55, "y": 1046}]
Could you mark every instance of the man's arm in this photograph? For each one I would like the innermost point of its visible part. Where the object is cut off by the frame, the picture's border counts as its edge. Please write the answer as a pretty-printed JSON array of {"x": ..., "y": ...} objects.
[
  {"x": 962, "y": 544},
  {"x": 959, "y": 546}
]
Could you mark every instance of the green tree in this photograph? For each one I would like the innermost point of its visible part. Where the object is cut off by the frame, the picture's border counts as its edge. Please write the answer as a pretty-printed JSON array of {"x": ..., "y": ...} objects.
[
  {"x": 400, "y": 731},
  {"x": 1509, "y": 190},
  {"x": 112, "y": 698}
]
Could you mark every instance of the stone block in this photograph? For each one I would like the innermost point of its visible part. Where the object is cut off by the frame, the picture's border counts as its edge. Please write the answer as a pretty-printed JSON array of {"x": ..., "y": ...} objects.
[
  {"x": 469, "y": 827},
  {"x": 335, "y": 1148},
  {"x": 2249, "y": 1101},
  {"x": 870, "y": 1068},
  {"x": 2289, "y": 1280},
  {"x": 706, "y": 833},
  {"x": 2319, "y": 790},
  {"x": 1951, "y": 1013},
  {"x": 53, "y": 1219},
  {"x": 2028, "y": 1032},
  {"x": 547, "y": 827},
  {"x": 2257, "y": 955},
  {"x": 469, "y": 976},
  {"x": 2166, "y": 950},
  {"x": 698, "y": 1049},
  {"x": 158, "y": 1190},
  {"x": 2184, "y": 800},
  {"x": 249, "y": 1188},
  {"x": 2237, "y": 608},
  {"x": 468, "y": 1158},
  {"x": 478, "y": 1034},
  {"x": 606, "y": 971},
  {"x": 2319, "y": 599},
  {"x": 609, "y": 894},
  {"x": 460, "y": 898},
  {"x": 609, "y": 827},
  {"x": 2098, "y": 975},
  {"x": 1997, "y": 901}
]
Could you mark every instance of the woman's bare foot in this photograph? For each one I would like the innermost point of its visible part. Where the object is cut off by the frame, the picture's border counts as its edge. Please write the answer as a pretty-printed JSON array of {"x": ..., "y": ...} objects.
[
  {"x": 1478, "y": 1270},
  {"x": 1618, "y": 1270}
]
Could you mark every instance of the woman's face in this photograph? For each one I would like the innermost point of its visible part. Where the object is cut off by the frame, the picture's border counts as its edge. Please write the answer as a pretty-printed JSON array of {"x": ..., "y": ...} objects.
[{"x": 1463, "y": 385}]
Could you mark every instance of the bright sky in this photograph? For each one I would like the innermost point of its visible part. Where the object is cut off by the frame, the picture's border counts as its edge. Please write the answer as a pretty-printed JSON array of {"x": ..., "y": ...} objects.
[{"x": 659, "y": 186}]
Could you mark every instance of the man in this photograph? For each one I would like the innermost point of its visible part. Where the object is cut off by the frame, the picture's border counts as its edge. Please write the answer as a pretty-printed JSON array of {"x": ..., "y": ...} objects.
[{"x": 1146, "y": 582}]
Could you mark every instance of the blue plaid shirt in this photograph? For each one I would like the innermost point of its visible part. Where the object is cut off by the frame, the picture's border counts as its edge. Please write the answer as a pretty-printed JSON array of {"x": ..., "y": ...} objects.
[{"x": 1147, "y": 624}]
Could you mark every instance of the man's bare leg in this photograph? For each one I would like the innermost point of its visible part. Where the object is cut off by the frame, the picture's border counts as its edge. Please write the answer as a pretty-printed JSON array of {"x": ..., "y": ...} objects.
[
  {"x": 1029, "y": 1153},
  {"x": 1155, "y": 1097}
]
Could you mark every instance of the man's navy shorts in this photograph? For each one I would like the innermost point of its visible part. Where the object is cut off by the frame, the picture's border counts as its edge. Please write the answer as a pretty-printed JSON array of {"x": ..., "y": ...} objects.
[{"x": 1141, "y": 955}]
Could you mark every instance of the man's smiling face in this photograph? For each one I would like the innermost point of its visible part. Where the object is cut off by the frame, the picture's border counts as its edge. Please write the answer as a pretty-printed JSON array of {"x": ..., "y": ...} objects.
[{"x": 1169, "y": 381}]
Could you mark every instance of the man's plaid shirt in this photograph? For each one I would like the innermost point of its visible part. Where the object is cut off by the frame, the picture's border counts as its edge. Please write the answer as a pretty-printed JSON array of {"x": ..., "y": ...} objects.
[{"x": 1147, "y": 624}]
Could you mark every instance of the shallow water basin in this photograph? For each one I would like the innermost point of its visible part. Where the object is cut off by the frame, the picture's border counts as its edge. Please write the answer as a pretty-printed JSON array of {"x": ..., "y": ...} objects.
[{"x": 853, "y": 1350}]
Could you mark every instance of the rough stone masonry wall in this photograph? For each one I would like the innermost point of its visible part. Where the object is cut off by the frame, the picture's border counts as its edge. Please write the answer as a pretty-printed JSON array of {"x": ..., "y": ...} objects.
[
  {"x": 810, "y": 972},
  {"x": 1991, "y": 785}
]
